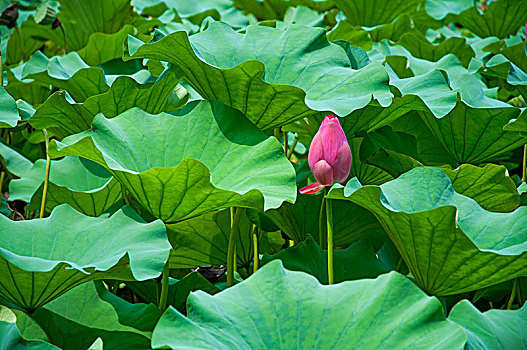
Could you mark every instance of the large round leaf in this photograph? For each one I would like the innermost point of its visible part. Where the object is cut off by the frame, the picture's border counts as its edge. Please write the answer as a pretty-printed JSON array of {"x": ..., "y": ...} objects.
[
  {"x": 68, "y": 72},
  {"x": 178, "y": 167},
  {"x": 273, "y": 76},
  {"x": 280, "y": 309},
  {"x": 41, "y": 259},
  {"x": 450, "y": 244}
]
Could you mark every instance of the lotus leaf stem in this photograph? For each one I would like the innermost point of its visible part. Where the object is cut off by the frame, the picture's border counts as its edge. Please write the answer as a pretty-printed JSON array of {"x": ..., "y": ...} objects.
[
  {"x": 21, "y": 39},
  {"x": 277, "y": 134},
  {"x": 292, "y": 149},
  {"x": 125, "y": 197},
  {"x": 46, "y": 176},
  {"x": 524, "y": 168},
  {"x": 255, "y": 250},
  {"x": 231, "y": 252},
  {"x": 513, "y": 293},
  {"x": 164, "y": 287},
  {"x": 329, "y": 215},
  {"x": 321, "y": 238},
  {"x": 286, "y": 141},
  {"x": 65, "y": 40},
  {"x": 2, "y": 178}
]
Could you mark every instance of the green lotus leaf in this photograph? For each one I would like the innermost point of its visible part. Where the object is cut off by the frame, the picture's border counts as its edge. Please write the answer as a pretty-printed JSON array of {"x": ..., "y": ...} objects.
[
  {"x": 429, "y": 150},
  {"x": 9, "y": 116},
  {"x": 271, "y": 87},
  {"x": 347, "y": 32},
  {"x": 82, "y": 19},
  {"x": 457, "y": 77},
  {"x": 467, "y": 123},
  {"x": 489, "y": 185},
  {"x": 63, "y": 118},
  {"x": 421, "y": 48},
  {"x": 367, "y": 119},
  {"x": 214, "y": 158},
  {"x": 367, "y": 13},
  {"x": 450, "y": 244},
  {"x": 103, "y": 47},
  {"x": 10, "y": 337},
  {"x": 501, "y": 19},
  {"x": 89, "y": 311},
  {"x": 67, "y": 72},
  {"x": 518, "y": 125},
  {"x": 516, "y": 54},
  {"x": 357, "y": 261},
  {"x": 29, "y": 90},
  {"x": 439, "y": 9},
  {"x": 493, "y": 329},
  {"x": 394, "y": 30},
  {"x": 280, "y": 309},
  {"x": 13, "y": 161},
  {"x": 204, "y": 240},
  {"x": 475, "y": 135},
  {"x": 276, "y": 9},
  {"x": 84, "y": 185},
  {"x": 366, "y": 174},
  {"x": 43, "y": 258},
  {"x": 28, "y": 327},
  {"x": 302, "y": 15},
  {"x": 398, "y": 152}
]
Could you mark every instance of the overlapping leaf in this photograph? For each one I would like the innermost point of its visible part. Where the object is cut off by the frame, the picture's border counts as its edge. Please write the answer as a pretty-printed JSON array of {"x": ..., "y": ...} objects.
[
  {"x": 280, "y": 309},
  {"x": 420, "y": 211},
  {"x": 43, "y": 258},
  {"x": 178, "y": 167},
  {"x": 271, "y": 87},
  {"x": 62, "y": 118}
]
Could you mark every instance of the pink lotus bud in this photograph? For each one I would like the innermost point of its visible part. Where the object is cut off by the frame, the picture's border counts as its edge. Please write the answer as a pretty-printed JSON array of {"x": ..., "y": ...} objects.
[{"x": 329, "y": 156}]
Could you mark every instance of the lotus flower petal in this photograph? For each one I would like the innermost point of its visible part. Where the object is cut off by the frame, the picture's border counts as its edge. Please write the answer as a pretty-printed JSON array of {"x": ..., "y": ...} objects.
[
  {"x": 342, "y": 165},
  {"x": 315, "y": 187},
  {"x": 323, "y": 173}
]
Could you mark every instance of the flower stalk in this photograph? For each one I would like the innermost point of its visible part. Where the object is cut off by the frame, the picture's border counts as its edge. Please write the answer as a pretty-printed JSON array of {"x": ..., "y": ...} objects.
[
  {"x": 329, "y": 216},
  {"x": 256, "y": 260},
  {"x": 513, "y": 293},
  {"x": 46, "y": 176},
  {"x": 236, "y": 213},
  {"x": 164, "y": 288}
]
